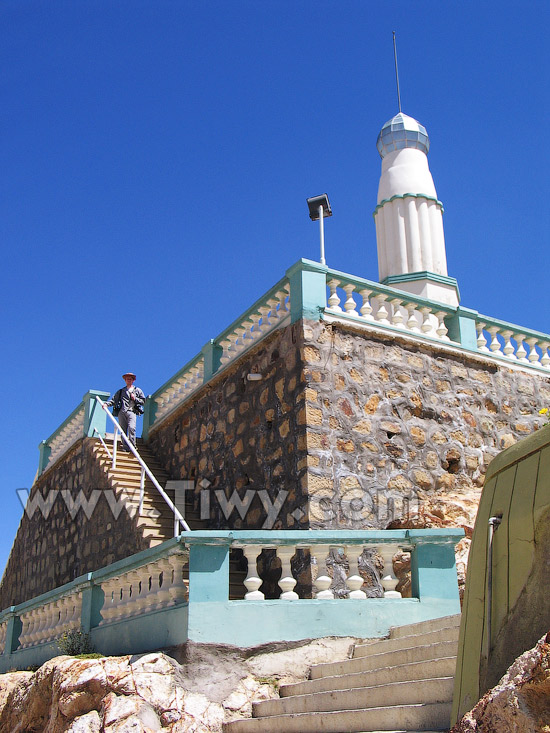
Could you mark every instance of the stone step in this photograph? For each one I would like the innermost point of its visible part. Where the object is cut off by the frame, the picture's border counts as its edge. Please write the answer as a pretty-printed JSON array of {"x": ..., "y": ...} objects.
[
  {"x": 439, "y": 690},
  {"x": 386, "y": 645},
  {"x": 419, "y": 717},
  {"x": 387, "y": 659},
  {"x": 422, "y": 627},
  {"x": 444, "y": 667}
]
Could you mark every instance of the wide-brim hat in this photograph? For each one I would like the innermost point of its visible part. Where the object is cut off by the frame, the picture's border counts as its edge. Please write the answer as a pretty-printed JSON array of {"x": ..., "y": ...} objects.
[{"x": 129, "y": 374}]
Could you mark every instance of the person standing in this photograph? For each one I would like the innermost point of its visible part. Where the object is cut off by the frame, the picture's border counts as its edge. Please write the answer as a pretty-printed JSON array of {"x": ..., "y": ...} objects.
[{"x": 127, "y": 404}]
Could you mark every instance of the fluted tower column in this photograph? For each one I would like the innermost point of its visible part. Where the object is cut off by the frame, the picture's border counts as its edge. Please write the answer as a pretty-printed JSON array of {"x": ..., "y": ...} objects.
[{"x": 408, "y": 216}]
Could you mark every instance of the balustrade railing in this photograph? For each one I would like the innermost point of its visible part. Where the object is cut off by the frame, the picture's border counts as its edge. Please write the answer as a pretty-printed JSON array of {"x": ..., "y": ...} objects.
[
  {"x": 320, "y": 557},
  {"x": 156, "y": 585},
  {"x": 48, "y": 621},
  {"x": 267, "y": 314},
  {"x": 186, "y": 581},
  {"x": 384, "y": 307},
  {"x": 180, "y": 387},
  {"x": 519, "y": 345},
  {"x": 311, "y": 290}
]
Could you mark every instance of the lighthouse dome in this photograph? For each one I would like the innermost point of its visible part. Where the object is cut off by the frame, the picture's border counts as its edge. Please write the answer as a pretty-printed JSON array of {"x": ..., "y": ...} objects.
[{"x": 401, "y": 132}]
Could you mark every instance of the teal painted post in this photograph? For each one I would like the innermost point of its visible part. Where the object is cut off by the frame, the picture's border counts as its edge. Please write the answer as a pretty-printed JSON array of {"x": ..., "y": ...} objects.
[
  {"x": 208, "y": 573},
  {"x": 92, "y": 603},
  {"x": 149, "y": 414},
  {"x": 212, "y": 354},
  {"x": 94, "y": 415},
  {"x": 462, "y": 327},
  {"x": 13, "y": 631},
  {"x": 43, "y": 456},
  {"x": 433, "y": 572},
  {"x": 308, "y": 290}
]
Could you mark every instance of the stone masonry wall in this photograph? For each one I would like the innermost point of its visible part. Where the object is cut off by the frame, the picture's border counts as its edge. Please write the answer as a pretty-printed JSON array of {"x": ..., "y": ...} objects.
[
  {"x": 53, "y": 550},
  {"x": 400, "y": 434},
  {"x": 241, "y": 441}
]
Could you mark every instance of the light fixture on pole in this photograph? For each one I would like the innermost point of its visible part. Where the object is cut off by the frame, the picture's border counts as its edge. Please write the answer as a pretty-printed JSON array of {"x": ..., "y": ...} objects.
[{"x": 319, "y": 208}]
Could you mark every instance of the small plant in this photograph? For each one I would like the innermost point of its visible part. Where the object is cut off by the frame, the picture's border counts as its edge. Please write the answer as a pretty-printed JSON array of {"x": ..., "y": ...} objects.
[
  {"x": 546, "y": 412},
  {"x": 75, "y": 642}
]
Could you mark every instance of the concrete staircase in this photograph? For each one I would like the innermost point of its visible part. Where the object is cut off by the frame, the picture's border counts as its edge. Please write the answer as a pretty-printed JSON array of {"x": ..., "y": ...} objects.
[
  {"x": 156, "y": 520},
  {"x": 402, "y": 684}
]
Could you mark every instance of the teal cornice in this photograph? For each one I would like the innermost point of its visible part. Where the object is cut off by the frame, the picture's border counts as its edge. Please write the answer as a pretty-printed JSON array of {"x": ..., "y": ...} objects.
[
  {"x": 409, "y": 196},
  {"x": 408, "y": 277}
]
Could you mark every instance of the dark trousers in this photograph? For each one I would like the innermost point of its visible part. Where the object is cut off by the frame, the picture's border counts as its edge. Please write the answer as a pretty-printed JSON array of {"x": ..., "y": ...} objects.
[{"x": 127, "y": 422}]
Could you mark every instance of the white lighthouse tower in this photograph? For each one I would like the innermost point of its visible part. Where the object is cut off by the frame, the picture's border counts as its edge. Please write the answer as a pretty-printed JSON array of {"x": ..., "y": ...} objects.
[{"x": 408, "y": 215}]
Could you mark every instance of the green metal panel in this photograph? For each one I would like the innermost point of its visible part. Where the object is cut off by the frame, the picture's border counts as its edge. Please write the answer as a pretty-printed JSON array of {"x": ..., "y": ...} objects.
[{"x": 521, "y": 530}]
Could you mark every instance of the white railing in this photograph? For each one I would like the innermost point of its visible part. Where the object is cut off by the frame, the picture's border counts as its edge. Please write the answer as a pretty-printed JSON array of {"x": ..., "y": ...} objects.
[
  {"x": 47, "y": 622},
  {"x": 179, "y": 522},
  {"x": 179, "y": 389},
  {"x": 256, "y": 324},
  {"x": 381, "y": 307},
  {"x": 518, "y": 345},
  {"x": 156, "y": 585},
  {"x": 68, "y": 434},
  {"x": 323, "y": 582}
]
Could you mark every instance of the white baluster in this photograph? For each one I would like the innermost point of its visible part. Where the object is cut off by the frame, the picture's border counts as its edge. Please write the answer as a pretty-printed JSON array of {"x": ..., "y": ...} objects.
[
  {"x": 441, "y": 328},
  {"x": 412, "y": 320},
  {"x": 495, "y": 343},
  {"x": 284, "y": 306},
  {"x": 545, "y": 358},
  {"x": 154, "y": 591},
  {"x": 366, "y": 308},
  {"x": 163, "y": 594},
  {"x": 355, "y": 581},
  {"x": 76, "y": 601},
  {"x": 323, "y": 581},
  {"x": 397, "y": 317},
  {"x": 29, "y": 626},
  {"x": 130, "y": 606},
  {"x": 481, "y": 340},
  {"x": 381, "y": 312},
  {"x": 334, "y": 300},
  {"x": 255, "y": 330},
  {"x": 287, "y": 582},
  {"x": 508, "y": 348},
  {"x": 350, "y": 305},
  {"x": 108, "y": 608},
  {"x": 53, "y": 620},
  {"x": 389, "y": 581},
  {"x": 521, "y": 353},
  {"x": 264, "y": 312},
  {"x": 241, "y": 338},
  {"x": 177, "y": 589},
  {"x": 427, "y": 326},
  {"x": 252, "y": 582},
  {"x": 142, "y": 600},
  {"x": 41, "y": 625},
  {"x": 533, "y": 353}
]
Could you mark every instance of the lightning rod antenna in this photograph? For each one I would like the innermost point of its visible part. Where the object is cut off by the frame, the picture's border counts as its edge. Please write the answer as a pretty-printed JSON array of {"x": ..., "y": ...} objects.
[{"x": 396, "y": 72}]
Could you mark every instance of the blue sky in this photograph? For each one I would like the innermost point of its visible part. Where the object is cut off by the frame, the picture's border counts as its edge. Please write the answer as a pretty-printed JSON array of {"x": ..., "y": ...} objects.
[{"x": 156, "y": 158}]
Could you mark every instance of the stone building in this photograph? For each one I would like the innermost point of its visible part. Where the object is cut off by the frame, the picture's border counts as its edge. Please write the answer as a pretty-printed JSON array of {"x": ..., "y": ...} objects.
[{"x": 333, "y": 402}]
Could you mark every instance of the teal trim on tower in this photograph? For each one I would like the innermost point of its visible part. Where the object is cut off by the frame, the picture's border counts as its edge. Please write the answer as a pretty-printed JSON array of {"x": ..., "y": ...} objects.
[
  {"x": 409, "y": 196},
  {"x": 435, "y": 277}
]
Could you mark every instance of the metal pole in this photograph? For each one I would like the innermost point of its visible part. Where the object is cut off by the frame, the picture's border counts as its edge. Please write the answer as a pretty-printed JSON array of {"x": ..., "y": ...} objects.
[
  {"x": 494, "y": 523},
  {"x": 322, "y": 233}
]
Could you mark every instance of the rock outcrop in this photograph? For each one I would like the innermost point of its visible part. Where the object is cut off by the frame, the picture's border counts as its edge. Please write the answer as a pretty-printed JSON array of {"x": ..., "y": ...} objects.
[
  {"x": 154, "y": 692},
  {"x": 521, "y": 700}
]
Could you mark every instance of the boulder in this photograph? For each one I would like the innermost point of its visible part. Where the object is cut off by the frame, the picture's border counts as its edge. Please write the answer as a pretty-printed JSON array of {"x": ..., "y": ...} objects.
[{"x": 520, "y": 703}]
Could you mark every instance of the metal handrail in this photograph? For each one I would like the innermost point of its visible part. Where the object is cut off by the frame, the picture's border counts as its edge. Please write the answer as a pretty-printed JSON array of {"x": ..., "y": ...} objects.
[{"x": 178, "y": 518}]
